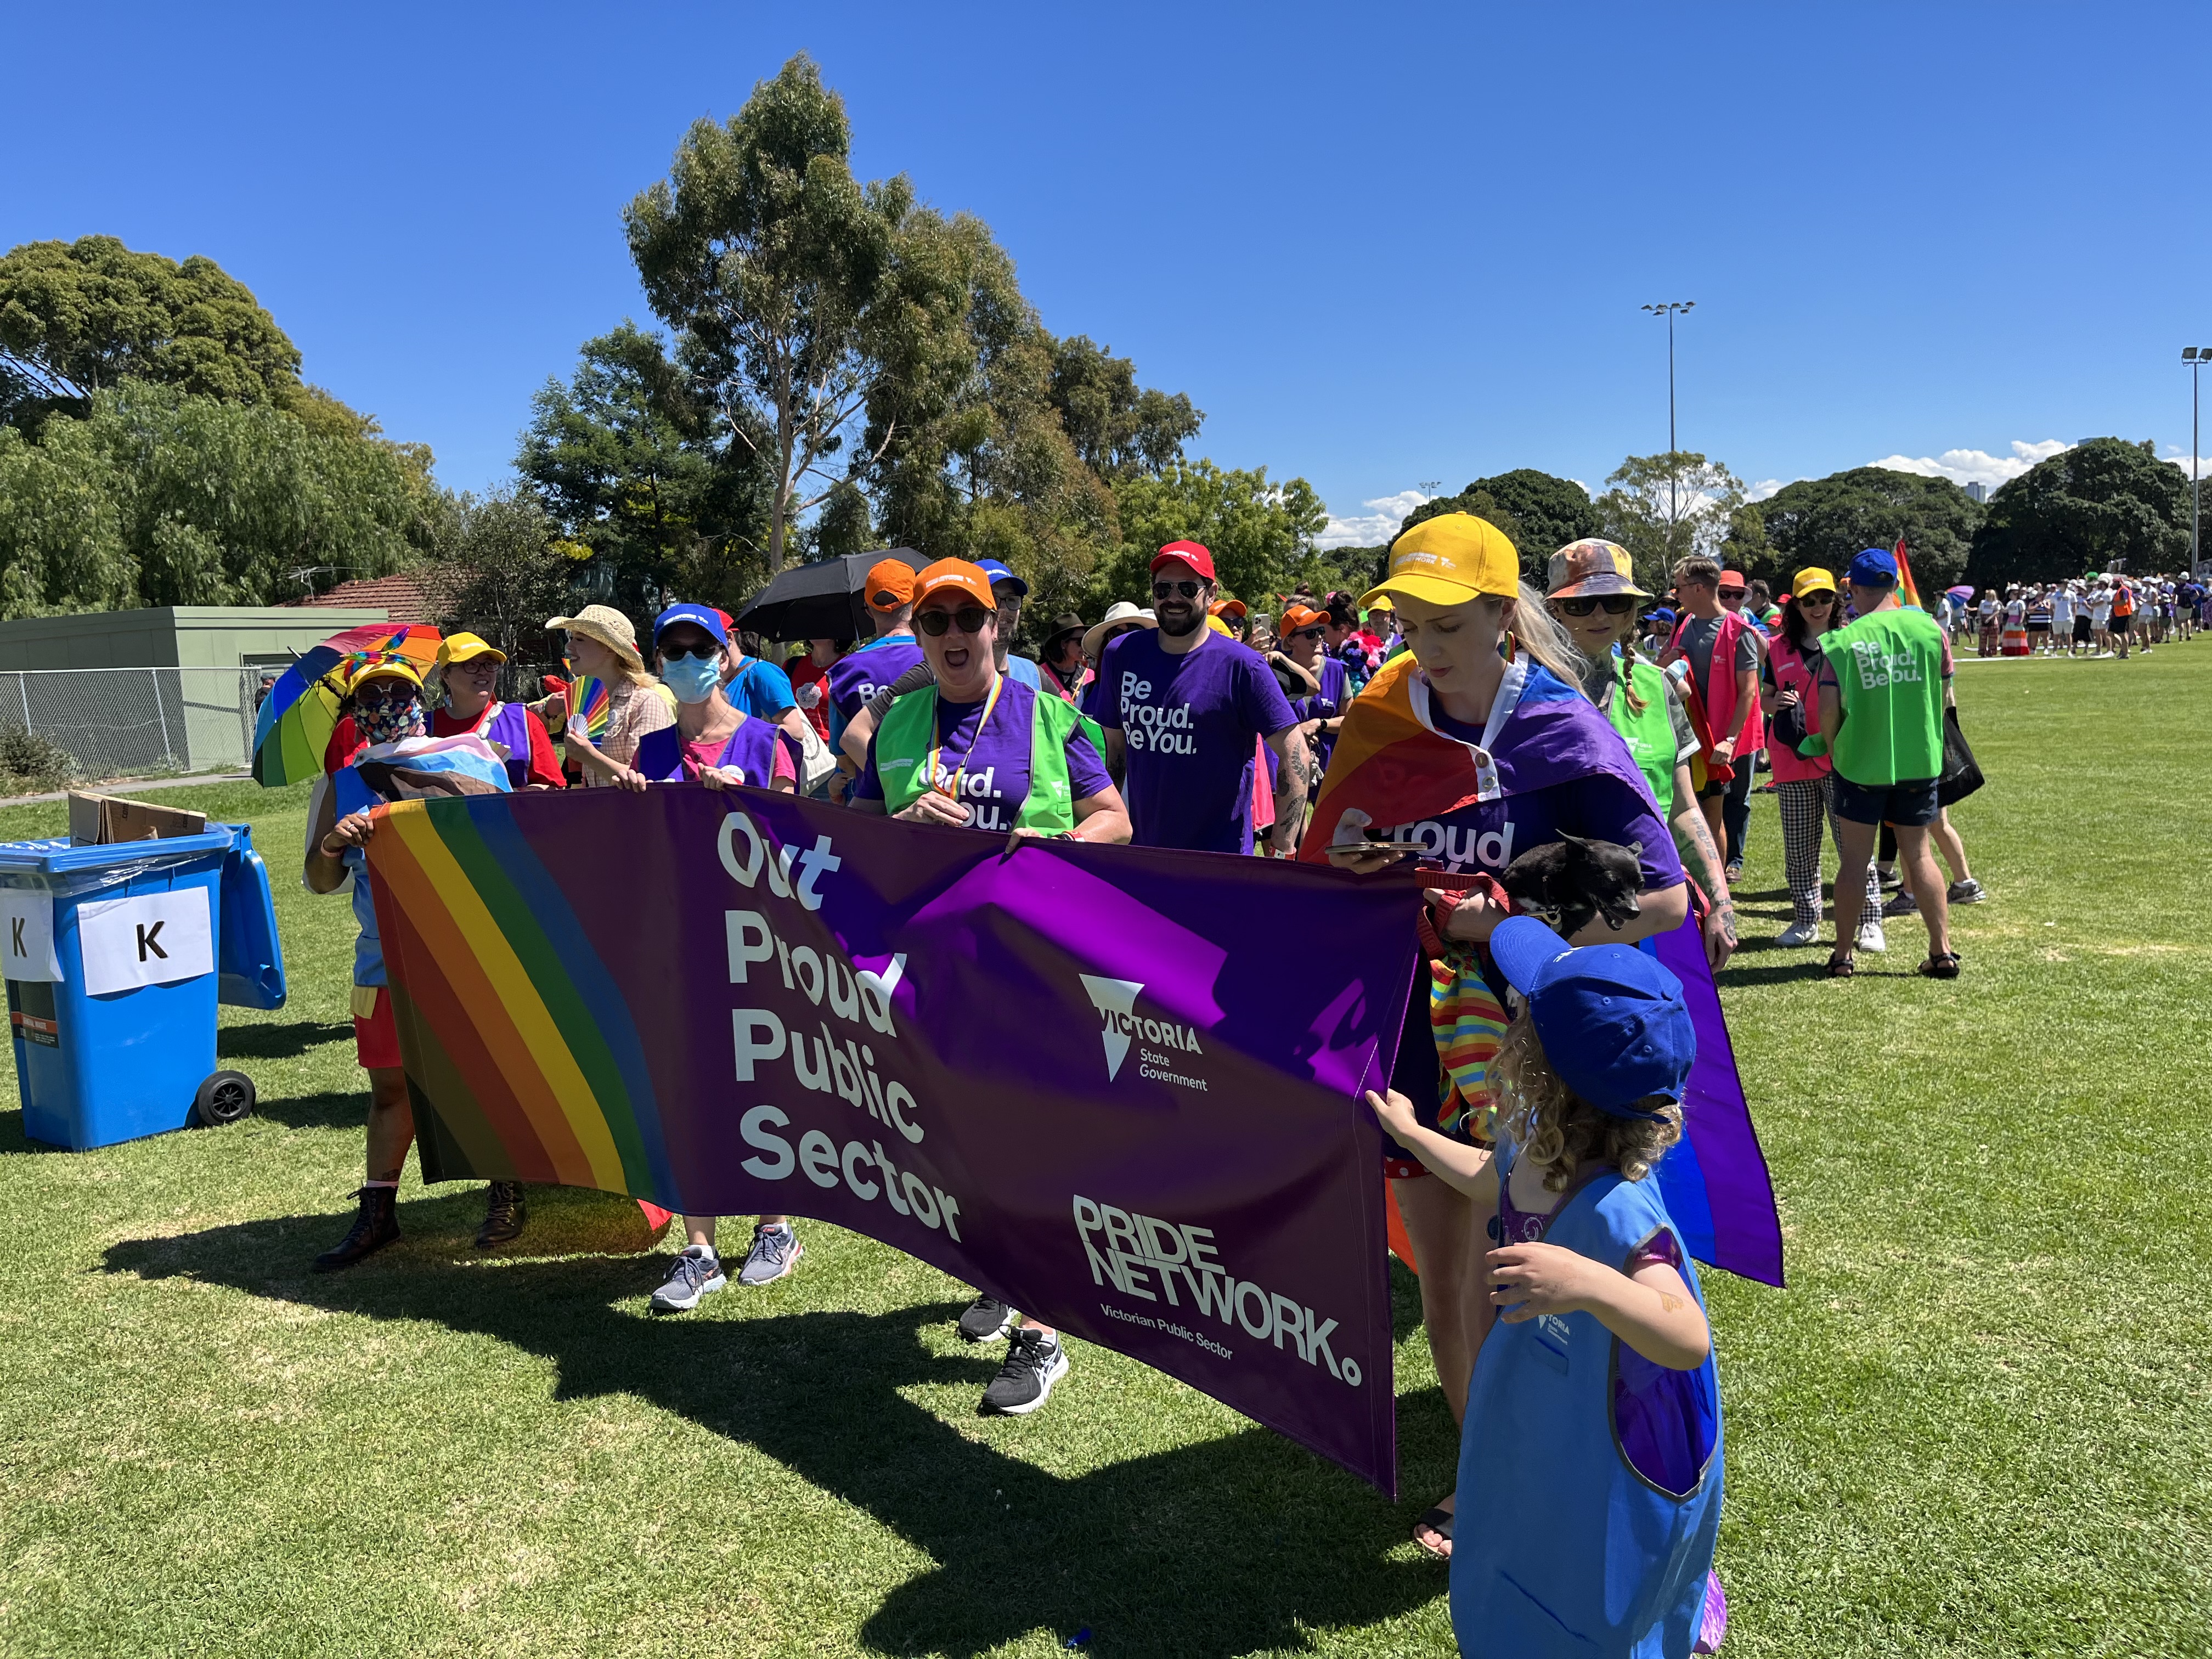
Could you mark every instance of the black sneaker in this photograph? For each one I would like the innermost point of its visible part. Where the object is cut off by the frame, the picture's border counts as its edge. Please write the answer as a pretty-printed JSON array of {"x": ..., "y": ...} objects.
[
  {"x": 373, "y": 1227},
  {"x": 1035, "y": 1361},
  {"x": 985, "y": 1321},
  {"x": 504, "y": 1214},
  {"x": 1968, "y": 891}
]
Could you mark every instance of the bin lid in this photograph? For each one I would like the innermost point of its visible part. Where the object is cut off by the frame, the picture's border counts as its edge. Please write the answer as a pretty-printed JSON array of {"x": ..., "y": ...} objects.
[{"x": 56, "y": 856}]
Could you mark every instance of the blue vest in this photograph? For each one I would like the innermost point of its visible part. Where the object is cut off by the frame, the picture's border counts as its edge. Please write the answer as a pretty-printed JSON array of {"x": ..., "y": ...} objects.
[{"x": 1590, "y": 1478}]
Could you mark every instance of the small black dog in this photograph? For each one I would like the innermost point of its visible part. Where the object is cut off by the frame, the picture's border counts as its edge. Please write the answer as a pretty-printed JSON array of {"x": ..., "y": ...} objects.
[{"x": 1565, "y": 882}]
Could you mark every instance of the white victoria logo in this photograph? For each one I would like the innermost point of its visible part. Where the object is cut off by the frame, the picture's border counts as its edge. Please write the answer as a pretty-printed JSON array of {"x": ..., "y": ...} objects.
[{"x": 1116, "y": 999}]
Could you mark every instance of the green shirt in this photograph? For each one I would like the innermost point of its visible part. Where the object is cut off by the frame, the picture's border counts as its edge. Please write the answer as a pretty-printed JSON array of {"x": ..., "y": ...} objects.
[{"x": 1887, "y": 669}]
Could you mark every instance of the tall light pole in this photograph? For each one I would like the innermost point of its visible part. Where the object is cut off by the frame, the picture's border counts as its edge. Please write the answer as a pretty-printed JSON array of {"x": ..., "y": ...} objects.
[
  {"x": 2196, "y": 357},
  {"x": 1668, "y": 309}
]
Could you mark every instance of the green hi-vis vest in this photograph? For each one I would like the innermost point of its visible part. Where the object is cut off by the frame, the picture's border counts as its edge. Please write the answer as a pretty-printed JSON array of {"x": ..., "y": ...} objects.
[
  {"x": 910, "y": 733},
  {"x": 1650, "y": 735},
  {"x": 1889, "y": 674}
]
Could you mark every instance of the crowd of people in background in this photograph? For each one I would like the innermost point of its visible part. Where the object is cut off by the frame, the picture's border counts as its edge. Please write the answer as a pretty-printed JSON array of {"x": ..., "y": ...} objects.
[
  {"x": 2106, "y": 614},
  {"x": 1190, "y": 719}
]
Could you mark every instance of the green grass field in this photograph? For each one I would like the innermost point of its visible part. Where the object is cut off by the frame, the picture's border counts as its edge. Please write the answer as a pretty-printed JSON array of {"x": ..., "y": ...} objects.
[{"x": 1975, "y": 1422}]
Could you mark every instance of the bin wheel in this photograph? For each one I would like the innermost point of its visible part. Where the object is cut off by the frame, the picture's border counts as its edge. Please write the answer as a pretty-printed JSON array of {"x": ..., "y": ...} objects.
[{"x": 225, "y": 1097}]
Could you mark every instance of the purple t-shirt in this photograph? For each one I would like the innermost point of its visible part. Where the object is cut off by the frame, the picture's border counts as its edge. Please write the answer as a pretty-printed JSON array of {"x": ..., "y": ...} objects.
[
  {"x": 1189, "y": 724},
  {"x": 992, "y": 767},
  {"x": 859, "y": 674},
  {"x": 1490, "y": 835}
]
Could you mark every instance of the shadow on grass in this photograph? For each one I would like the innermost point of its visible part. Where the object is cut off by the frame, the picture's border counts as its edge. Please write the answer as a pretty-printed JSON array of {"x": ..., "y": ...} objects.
[
  {"x": 1218, "y": 1548},
  {"x": 330, "y": 1109},
  {"x": 269, "y": 1041}
]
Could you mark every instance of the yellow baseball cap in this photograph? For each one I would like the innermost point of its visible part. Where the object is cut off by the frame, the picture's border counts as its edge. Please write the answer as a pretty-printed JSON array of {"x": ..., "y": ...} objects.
[
  {"x": 1449, "y": 560},
  {"x": 392, "y": 667},
  {"x": 466, "y": 648},
  {"x": 1813, "y": 580}
]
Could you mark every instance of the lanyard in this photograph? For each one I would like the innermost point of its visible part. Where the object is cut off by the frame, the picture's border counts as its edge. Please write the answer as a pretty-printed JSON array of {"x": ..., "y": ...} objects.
[{"x": 937, "y": 737}]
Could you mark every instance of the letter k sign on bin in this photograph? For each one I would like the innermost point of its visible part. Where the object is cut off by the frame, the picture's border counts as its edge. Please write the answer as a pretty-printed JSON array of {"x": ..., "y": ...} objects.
[{"x": 155, "y": 939}]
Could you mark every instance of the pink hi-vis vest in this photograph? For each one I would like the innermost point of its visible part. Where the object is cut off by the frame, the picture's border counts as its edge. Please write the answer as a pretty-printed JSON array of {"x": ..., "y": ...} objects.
[
  {"x": 1791, "y": 670},
  {"x": 1721, "y": 712}
]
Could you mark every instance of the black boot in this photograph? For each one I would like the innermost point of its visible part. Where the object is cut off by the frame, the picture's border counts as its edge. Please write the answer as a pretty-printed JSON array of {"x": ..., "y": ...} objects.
[
  {"x": 375, "y": 1227},
  {"x": 504, "y": 1214}
]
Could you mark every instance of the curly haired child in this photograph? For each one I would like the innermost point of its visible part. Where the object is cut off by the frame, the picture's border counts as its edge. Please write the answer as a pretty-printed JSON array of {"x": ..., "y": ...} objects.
[{"x": 1592, "y": 1446}]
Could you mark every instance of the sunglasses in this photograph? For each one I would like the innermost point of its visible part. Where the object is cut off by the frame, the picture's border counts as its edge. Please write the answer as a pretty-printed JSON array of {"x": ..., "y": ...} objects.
[
  {"x": 969, "y": 619},
  {"x": 1816, "y": 597},
  {"x": 1169, "y": 590},
  {"x": 1614, "y": 604},
  {"x": 379, "y": 694},
  {"x": 1310, "y": 634},
  {"x": 705, "y": 651}
]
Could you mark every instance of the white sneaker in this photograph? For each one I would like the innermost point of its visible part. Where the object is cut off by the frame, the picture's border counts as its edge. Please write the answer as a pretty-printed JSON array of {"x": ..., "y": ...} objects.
[
  {"x": 1798, "y": 934},
  {"x": 1871, "y": 938}
]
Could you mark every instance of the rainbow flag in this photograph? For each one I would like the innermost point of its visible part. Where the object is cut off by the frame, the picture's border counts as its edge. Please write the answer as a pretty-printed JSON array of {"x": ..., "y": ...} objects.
[
  {"x": 1908, "y": 593},
  {"x": 513, "y": 1013}
]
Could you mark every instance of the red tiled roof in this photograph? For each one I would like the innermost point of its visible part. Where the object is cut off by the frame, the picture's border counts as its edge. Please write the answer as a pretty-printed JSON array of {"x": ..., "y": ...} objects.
[{"x": 405, "y": 596}]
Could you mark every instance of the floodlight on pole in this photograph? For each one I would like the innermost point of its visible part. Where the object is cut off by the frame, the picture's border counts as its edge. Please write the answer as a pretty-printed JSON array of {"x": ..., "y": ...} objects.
[
  {"x": 2196, "y": 357},
  {"x": 1668, "y": 309}
]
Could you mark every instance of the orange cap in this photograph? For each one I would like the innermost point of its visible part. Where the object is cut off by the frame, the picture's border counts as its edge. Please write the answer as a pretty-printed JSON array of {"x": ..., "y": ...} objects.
[
  {"x": 954, "y": 573},
  {"x": 890, "y": 584},
  {"x": 1296, "y": 616},
  {"x": 1231, "y": 608}
]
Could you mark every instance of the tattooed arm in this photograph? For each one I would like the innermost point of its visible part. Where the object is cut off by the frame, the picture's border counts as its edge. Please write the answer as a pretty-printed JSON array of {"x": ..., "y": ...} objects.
[
  {"x": 1292, "y": 787},
  {"x": 1701, "y": 857}
]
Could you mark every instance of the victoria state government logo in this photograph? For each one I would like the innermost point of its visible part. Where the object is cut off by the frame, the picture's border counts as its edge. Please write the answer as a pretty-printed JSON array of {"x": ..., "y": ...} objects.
[{"x": 1164, "y": 1044}]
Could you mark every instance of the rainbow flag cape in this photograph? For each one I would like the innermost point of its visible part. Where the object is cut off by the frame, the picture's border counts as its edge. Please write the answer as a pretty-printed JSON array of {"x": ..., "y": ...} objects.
[
  {"x": 1908, "y": 591},
  {"x": 1392, "y": 767}
]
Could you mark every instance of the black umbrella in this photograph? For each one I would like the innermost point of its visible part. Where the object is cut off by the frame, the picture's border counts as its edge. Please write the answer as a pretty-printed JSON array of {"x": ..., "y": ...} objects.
[{"x": 821, "y": 600}]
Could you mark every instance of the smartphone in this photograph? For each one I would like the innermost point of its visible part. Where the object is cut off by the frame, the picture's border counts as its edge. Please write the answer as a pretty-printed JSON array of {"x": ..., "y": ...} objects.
[{"x": 1389, "y": 847}]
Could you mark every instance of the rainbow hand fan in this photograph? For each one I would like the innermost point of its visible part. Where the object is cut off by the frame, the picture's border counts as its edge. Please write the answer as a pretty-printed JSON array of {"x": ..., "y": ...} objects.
[
  {"x": 590, "y": 708},
  {"x": 301, "y": 709}
]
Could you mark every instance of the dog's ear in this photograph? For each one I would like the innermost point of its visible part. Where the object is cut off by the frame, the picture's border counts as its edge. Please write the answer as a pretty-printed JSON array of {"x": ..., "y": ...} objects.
[{"x": 1634, "y": 850}]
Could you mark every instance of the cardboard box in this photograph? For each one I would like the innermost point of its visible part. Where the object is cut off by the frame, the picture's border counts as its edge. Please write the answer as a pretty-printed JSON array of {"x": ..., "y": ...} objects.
[{"x": 104, "y": 820}]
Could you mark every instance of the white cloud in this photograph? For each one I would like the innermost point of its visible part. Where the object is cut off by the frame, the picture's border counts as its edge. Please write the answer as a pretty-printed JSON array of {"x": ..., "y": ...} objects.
[
  {"x": 2203, "y": 462},
  {"x": 1374, "y": 528},
  {"x": 1964, "y": 466},
  {"x": 1764, "y": 487}
]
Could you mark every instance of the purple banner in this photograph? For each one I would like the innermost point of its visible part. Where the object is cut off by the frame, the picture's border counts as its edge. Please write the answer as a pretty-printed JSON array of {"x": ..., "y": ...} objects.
[{"x": 1117, "y": 1087}]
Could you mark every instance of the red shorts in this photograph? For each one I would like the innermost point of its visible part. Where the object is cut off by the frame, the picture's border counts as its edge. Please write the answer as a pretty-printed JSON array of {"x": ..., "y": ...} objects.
[{"x": 375, "y": 1038}]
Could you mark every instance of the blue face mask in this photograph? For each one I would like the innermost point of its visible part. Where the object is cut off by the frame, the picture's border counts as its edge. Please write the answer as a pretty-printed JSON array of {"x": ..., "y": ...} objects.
[{"x": 692, "y": 680}]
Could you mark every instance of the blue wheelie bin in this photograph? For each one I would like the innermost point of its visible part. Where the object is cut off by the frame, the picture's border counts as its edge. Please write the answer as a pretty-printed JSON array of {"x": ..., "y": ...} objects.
[{"x": 116, "y": 957}]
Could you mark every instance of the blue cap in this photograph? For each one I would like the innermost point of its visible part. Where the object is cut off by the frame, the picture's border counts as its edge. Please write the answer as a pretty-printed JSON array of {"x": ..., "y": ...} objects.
[
  {"x": 1663, "y": 614},
  {"x": 999, "y": 573},
  {"x": 1872, "y": 567},
  {"x": 700, "y": 616},
  {"x": 1614, "y": 1027}
]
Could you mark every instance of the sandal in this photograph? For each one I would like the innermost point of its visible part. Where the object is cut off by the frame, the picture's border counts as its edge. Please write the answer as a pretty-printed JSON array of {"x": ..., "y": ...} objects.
[
  {"x": 1842, "y": 968},
  {"x": 1945, "y": 966},
  {"x": 1438, "y": 1520}
]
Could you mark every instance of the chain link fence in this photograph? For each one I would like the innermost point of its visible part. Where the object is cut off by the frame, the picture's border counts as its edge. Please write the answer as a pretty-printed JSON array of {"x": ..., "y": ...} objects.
[{"x": 117, "y": 722}]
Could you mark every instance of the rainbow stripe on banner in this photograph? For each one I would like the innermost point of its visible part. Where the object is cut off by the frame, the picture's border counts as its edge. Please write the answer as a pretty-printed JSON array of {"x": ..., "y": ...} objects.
[{"x": 512, "y": 1012}]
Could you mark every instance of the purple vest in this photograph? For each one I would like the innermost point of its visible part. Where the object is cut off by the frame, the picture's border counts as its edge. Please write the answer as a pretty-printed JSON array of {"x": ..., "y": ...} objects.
[
  {"x": 750, "y": 750},
  {"x": 509, "y": 727}
]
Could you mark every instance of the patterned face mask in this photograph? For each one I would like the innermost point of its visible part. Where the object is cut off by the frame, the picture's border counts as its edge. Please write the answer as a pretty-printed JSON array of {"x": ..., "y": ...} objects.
[{"x": 388, "y": 722}]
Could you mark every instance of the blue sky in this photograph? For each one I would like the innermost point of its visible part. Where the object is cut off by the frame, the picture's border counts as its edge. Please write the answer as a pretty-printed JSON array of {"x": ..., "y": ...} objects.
[{"x": 1378, "y": 246}]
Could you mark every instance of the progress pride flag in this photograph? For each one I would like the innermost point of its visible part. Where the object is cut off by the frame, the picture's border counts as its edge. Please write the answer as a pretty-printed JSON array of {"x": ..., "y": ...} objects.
[{"x": 1117, "y": 1087}]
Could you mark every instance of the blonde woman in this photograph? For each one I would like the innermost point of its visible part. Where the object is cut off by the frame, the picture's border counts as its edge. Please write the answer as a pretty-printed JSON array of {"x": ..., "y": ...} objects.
[
  {"x": 1525, "y": 759},
  {"x": 603, "y": 644}
]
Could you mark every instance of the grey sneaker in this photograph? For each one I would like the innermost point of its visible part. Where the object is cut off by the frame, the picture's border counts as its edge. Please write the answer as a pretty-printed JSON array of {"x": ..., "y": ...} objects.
[
  {"x": 1901, "y": 904},
  {"x": 986, "y": 1320},
  {"x": 698, "y": 1271},
  {"x": 1035, "y": 1361},
  {"x": 1871, "y": 937},
  {"x": 774, "y": 1253},
  {"x": 1968, "y": 891},
  {"x": 1798, "y": 934}
]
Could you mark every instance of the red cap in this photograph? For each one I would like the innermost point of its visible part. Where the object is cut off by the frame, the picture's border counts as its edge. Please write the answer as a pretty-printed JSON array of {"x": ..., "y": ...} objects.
[
  {"x": 1190, "y": 553},
  {"x": 1732, "y": 579}
]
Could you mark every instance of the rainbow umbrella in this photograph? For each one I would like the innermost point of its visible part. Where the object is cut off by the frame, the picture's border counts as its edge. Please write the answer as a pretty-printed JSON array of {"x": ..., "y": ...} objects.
[{"x": 301, "y": 709}]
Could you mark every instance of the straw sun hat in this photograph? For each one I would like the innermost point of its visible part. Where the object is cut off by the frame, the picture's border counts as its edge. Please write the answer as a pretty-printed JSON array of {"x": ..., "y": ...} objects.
[{"x": 608, "y": 627}]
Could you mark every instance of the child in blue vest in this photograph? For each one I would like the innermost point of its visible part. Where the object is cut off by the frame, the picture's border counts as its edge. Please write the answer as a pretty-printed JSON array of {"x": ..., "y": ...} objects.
[{"x": 1589, "y": 1480}]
